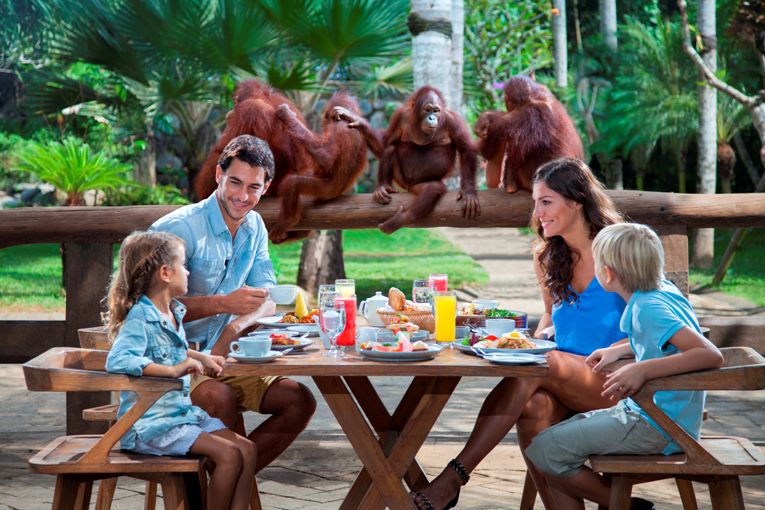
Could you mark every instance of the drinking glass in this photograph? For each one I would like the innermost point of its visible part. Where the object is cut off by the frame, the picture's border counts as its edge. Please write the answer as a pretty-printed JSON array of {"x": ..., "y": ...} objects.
[
  {"x": 421, "y": 291},
  {"x": 332, "y": 322},
  {"x": 438, "y": 282},
  {"x": 445, "y": 305},
  {"x": 326, "y": 294},
  {"x": 348, "y": 336},
  {"x": 346, "y": 287}
]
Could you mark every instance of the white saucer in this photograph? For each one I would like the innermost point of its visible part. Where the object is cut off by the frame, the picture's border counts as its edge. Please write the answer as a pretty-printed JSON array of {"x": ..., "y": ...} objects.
[
  {"x": 518, "y": 358},
  {"x": 241, "y": 358}
]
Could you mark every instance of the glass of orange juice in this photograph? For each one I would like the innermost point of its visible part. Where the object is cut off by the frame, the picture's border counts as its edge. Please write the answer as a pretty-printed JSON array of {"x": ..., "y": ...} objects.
[{"x": 445, "y": 306}]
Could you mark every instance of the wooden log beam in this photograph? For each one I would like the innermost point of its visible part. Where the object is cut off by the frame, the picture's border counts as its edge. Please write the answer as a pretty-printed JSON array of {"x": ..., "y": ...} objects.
[{"x": 112, "y": 224}]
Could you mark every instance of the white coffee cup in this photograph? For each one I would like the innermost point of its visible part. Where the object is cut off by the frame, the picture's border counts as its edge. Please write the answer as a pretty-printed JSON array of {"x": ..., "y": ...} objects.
[
  {"x": 283, "y": 294},
  {"x": 253, "y": 346},
  {"x": 499, "y": 327}
]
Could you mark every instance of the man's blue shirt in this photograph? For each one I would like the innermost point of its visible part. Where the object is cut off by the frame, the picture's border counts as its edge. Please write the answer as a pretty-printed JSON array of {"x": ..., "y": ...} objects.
[{"x": 216, "y": 263}]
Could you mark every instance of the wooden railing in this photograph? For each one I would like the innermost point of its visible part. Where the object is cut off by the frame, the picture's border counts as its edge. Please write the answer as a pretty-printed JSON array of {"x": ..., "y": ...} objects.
[{"x": 87, "y": 236}]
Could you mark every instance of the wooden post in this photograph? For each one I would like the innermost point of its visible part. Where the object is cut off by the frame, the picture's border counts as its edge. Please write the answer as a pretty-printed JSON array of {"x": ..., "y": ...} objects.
[
  {"x": 674, "y": 238},
  {"x": 87, "y": 265}
]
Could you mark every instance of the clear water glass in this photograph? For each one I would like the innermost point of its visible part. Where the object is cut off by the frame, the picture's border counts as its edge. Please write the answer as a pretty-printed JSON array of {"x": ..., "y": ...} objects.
[
  {"x": 332, "y": 322},
  {"x": 346, "y": 287}
]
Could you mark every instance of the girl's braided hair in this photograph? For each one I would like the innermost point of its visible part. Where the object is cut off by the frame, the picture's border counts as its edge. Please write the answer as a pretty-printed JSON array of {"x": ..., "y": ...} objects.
[{"x": 141, "y": 255}]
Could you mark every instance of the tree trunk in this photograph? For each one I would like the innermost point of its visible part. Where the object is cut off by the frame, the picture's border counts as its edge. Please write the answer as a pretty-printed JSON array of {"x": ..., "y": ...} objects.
[
  {"x": 145, "y": 171},
  {"x": 702, "y": 252},
  {"x": 560, "y": 49},
  {"x": 608, "y": 23},
  {"x": 430, "y": 23},
  {"x": 458, "y": 58},
  {"x": 615, "y": 174},
  {"x": 321, "y": 260}
]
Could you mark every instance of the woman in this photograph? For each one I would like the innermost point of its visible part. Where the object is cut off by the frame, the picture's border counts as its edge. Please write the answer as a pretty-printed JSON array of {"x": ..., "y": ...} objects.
[{"x": 570, "y": 208}]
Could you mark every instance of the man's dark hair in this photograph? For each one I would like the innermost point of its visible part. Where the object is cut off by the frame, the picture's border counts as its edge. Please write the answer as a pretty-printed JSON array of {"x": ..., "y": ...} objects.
[{"x": 251, "y": 150}]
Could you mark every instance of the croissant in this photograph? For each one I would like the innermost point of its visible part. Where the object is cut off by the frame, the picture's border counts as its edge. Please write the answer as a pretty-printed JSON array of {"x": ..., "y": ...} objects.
[{"x": 396, "y": 299}]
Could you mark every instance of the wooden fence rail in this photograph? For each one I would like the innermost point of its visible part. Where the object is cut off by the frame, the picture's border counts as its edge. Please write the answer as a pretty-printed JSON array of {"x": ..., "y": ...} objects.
[{"x": 87, "y": 235}]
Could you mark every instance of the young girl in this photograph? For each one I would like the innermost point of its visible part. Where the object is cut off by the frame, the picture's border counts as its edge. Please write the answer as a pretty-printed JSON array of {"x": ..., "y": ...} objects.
[
  {"x": 665, "y": 339},
  {"x": 150, "y": 340}
]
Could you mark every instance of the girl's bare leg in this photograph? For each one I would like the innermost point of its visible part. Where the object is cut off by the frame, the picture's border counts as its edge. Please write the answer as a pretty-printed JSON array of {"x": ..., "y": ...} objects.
[
  {"x": 248, "y": 451},
  {"x": 228, "y": 468},
  {"x": 569, "y": 379}
]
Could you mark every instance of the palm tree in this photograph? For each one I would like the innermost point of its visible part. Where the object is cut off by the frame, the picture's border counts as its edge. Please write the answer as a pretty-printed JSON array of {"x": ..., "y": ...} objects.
[{"x": 653, "y": 101}]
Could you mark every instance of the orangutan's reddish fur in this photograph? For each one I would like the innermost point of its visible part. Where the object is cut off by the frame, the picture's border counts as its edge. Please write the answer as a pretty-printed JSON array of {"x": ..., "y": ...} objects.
[
  {"x": 535, "y": 130},
  {"x": 339, "y": 153},
  {"x": 254, "y": 113}
]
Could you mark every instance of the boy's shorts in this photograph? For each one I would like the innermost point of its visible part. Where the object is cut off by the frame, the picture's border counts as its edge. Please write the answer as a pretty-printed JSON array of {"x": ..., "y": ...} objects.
[
  {"x": 562, "y": 449},
  {"x": 249, "y": 389}
]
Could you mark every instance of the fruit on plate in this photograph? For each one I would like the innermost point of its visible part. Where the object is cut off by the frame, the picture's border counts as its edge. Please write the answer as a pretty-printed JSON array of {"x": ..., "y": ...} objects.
[
  {"x": 402, "y": 344},
  {"x": 301, "y": 310},
  {"x": 396, "y": 299},
  {"x": 283, "y": 339}
]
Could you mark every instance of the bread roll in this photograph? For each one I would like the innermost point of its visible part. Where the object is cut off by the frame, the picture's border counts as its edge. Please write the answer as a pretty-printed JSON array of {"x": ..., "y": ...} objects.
[{"x": 396, "y": 299}]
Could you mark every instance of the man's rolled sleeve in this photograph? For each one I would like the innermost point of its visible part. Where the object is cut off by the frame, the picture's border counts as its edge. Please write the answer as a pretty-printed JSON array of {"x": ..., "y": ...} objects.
[{"x": 127, "y": 355}]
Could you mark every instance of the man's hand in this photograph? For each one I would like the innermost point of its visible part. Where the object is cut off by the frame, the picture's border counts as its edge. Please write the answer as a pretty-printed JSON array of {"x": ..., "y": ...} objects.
[
  {"x": 213, "y": 365},
  {"x": 245, "y": 300}
]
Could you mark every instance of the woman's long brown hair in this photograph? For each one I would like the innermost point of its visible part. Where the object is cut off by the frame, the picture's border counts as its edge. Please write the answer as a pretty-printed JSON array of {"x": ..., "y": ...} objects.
[{"x": 573, "y": 180}]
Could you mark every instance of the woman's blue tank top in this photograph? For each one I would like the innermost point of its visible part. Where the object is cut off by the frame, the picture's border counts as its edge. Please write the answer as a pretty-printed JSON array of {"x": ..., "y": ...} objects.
[{"x": 590, "y": 321}]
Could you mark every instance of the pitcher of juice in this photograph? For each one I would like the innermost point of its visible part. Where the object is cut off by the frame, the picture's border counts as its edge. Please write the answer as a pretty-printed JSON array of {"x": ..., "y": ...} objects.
[{"x": 445, "y": 306}]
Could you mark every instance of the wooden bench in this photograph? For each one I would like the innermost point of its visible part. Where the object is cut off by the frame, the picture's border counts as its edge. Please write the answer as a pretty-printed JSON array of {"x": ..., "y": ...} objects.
[
  {"x": 718, "y": 461},
  {"x": 79, "y": 460}
]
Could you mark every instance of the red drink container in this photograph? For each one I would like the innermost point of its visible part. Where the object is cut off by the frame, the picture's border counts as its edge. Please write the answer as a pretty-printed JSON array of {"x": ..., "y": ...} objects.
[
  {"x": 348, "y": 336},
  {"x": 439, "y": 282}
]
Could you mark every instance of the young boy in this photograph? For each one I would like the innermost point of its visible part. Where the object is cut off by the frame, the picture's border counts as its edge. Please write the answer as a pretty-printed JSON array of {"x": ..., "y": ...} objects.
[{"x": 664, "y": 338}]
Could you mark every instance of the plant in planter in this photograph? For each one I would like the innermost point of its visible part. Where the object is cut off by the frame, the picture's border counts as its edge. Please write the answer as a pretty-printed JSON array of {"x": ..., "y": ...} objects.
[{"x": 72, "y": 168}]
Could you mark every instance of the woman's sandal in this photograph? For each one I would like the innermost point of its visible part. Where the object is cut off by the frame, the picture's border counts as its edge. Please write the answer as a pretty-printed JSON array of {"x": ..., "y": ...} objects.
[{"x": 423, "y": 502}]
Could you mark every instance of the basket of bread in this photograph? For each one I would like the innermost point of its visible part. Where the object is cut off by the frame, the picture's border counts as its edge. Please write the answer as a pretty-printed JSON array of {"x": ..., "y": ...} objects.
[{"x": 401, "y": 310}]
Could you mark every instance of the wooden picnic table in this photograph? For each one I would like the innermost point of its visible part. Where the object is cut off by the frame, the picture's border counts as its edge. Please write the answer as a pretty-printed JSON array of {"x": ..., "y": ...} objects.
[{"x": 388, "y": 447}]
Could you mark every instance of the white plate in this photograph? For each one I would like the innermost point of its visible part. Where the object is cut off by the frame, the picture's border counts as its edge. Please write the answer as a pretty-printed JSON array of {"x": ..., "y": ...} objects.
[
  {"x": 259, "y": 332},
  {"x": 273, "y": 322},
  {"x": 519, "y": 358},
  {"x": 241, "y": 358},
  {"x": 542, "y": 346},
  {"x": 304, "y": 342},
  {"x": 373, "y": 355},
  {"x": 312, "y": 329}
]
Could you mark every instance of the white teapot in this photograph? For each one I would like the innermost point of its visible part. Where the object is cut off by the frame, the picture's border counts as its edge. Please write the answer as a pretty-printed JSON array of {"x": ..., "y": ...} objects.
[{"x": 368, "y": 309}]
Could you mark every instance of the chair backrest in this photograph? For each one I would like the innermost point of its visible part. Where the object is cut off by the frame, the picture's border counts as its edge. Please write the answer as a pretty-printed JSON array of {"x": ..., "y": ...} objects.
[
  {"x": 70, "y": 369},
  {"x": 94, "y": 338},
  {"x": 744, "y": 369}
]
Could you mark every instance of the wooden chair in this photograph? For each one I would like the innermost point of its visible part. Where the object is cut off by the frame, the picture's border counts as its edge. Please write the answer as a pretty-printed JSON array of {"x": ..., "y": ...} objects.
[
  {"x": 79, "y": 460},
  {"x": 716, "y": 460}
]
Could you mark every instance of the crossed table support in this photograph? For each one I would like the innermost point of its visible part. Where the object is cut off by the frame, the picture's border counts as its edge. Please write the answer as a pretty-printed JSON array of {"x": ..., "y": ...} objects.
[{"x": 385, "y": 443}]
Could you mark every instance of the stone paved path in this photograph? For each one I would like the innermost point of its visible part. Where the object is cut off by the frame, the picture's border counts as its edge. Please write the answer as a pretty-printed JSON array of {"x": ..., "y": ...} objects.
[{"x": 316, "y": 472}]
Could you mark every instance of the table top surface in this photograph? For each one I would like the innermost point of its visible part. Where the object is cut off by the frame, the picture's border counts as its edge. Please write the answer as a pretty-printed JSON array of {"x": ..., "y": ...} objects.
[{"x": 449, "y": 362}]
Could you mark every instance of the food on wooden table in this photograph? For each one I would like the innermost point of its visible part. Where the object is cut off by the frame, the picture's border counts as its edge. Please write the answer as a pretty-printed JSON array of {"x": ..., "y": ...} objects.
[
  {"x": 291, "y": 318},
  {"x": 300, "y": 309},
  {"x": 401, "y": 322},
  {"x": 396, "y": 299},
  {"x": 511, "y": 340},
  {"x": 471, "y": 309},
  {"x": 283, "y": 339},
  {"x": 402, "y": 344}
]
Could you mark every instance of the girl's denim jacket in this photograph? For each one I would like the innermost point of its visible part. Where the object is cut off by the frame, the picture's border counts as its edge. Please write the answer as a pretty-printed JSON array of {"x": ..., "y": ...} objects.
[{"x": 147, "y": 337}]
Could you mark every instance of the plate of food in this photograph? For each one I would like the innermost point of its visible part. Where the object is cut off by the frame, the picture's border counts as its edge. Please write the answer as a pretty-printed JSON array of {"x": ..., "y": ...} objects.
[
  {"x": 474, "y": 315},
  {"x": 286, "y": 340},
  {"x": 512, "y": 342},
  {"x": 388, "y": 351},
  {"x": 287, "y": 320}
]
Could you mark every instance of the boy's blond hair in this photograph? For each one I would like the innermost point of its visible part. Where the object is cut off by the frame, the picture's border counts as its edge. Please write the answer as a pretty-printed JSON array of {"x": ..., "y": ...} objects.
[{"x": 633, "y": 252}]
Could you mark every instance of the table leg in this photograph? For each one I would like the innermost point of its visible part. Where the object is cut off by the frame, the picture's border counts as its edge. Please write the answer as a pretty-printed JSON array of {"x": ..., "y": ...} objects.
[{"x": 363, "y": 440}]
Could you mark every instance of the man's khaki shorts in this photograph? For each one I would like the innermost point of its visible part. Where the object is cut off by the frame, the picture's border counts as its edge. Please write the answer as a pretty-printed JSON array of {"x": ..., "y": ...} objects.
[{"x": 249, "y": 389}]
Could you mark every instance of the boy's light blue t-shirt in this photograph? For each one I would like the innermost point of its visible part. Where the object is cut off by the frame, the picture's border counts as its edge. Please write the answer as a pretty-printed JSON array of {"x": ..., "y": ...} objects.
[
  {"x": 217, "y": 263},
  {"x": 650, "y": 320}
]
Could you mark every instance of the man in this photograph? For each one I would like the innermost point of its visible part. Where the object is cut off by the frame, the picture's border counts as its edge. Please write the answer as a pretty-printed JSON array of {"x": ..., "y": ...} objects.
[{"x": 227, "y": 258}]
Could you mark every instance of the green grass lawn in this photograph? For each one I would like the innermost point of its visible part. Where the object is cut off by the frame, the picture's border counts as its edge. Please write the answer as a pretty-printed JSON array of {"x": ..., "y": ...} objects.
[
  {"x": 30, "y": 276},
  {"x": 746, "y": 276}
]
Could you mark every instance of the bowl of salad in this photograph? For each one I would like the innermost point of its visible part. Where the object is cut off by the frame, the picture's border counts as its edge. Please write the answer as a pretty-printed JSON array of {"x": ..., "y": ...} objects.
[{"x": 475, "y": 317}]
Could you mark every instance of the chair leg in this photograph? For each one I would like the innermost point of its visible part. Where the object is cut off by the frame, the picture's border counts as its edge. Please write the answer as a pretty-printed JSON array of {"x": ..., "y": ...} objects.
[
  {"x": 687, "y": 494},
  {"x": 725, "y": 492},
  {"x": 173, "y": 492},
  {"x": 255, "y": 496},
  {"x": 105, "y": 495},
  {"x": 150, "y": 499},
  {"x": 621, "y": 490},
  {"x": 72, "y": 493},
  {"x": 529, "y": 495}
]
